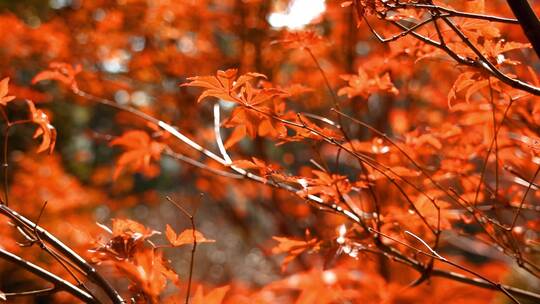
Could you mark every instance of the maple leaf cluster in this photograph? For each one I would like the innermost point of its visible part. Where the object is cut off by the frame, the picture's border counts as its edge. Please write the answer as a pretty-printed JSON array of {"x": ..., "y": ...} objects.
[
  {"x": 130, "y": 250},
  {"x": 363, "y": 85}
]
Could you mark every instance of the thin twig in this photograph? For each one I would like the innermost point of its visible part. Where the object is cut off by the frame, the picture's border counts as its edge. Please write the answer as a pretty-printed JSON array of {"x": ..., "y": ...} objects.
[
  {"x": 192, "y": 258},
  {"x": 37, "y": 292},
  {"x": 516, "y": 214},
  {"x": 200, "y": 165},
  {"x": 425, "y": 244},
  {"x": 493, "y": 141},
  {"x": 59, "y": 258},
  {"x": 5, "y": 165}
]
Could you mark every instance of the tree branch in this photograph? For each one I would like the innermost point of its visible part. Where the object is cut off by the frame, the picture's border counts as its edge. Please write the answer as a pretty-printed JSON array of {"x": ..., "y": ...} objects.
[
  {"x": 524, "y": 294},
  {"x": 59, "y": 283},
  {"x": 77, "y": 260}
]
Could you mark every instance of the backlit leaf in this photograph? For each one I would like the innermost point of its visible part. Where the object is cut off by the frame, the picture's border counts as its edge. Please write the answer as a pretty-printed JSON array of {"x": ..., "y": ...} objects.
[
  {"x": 214, "y": 296},
  {"x": 62, "y": 72},
  {"x": 45, "y": 130},
  {"x": 4, "y": 99},
  {"x": 186, "y": 237},
  {"x": 140, "y": 150}
]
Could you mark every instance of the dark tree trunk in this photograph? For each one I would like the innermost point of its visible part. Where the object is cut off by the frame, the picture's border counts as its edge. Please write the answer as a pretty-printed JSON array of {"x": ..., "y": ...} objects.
[{"x": 528, "y": 20}]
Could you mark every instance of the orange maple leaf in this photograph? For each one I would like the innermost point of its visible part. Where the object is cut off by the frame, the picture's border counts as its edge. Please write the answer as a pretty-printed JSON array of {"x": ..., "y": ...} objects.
[
  {"x": 140, "y": 150},
  {"x": 330, "y": 187},
  {"x": 472, "y": 81},
  {"x": 321, "y": 287},
  {"x": 252, "y": 97},
  {"x": 223, "y": 86},
  {"x": 148, "y": 272},
  {"x": 127, "y": 238},
  {"x": 364, "y": 85},
  {"x": 62, "y": 72},
  {"x": 300, "y": 40},
  {"x": 237, "y": 135},
  {"x": 311, "y": 131},
  {"x": 293, "y": 248},
  {"x": 215, "y": 296},
  {"x": 131, "y": 228},
  {"x": 3, "y": 92},
  {"x": 188, "y": 236},
  {"x": 45, "y": 129},
  {"x": 250, "y": 120},
  {"x": 375, "y": 146},
  {"x": 255, "y": 163}
]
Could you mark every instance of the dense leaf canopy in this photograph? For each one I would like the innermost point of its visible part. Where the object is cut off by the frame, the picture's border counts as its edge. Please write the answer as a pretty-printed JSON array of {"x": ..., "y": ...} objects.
[{"x": 255, "y": 151}]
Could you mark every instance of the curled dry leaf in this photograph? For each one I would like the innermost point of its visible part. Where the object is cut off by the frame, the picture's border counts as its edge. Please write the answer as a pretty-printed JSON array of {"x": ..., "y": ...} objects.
[{"x": 127, "y": 238}]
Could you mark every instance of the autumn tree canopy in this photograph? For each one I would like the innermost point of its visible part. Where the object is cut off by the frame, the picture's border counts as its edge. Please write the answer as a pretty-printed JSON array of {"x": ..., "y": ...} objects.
[{"x": 249, "y": 151}]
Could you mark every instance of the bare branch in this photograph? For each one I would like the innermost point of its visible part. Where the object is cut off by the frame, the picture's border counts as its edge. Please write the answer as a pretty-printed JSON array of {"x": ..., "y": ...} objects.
[
  {"x": 194, "y": 231},
  {"x": 219, "y": 141},
  {"x": 60, "y": 284},
  {"x": 63, "y": 249}
]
